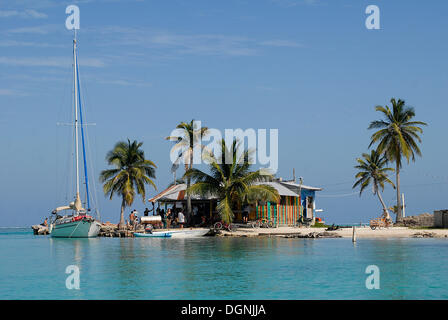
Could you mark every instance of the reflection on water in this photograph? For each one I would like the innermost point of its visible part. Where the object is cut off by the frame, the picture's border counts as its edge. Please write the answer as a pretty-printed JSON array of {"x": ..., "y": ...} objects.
[{"x": 221, "y": 268}]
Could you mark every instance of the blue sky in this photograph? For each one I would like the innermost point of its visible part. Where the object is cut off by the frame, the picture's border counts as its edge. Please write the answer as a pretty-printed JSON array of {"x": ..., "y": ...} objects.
[{"x": 309, "y": 68}]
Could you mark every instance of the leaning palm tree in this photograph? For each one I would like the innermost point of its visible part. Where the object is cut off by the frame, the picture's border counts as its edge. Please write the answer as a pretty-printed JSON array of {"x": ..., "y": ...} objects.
[
  {"x": 130, "y": 175},
  {"x": 233, "y": 183},
  {"x": 373, "y": 171},
  {"x": 397, "y": 137},
  {"x": 187, "y": 138}
]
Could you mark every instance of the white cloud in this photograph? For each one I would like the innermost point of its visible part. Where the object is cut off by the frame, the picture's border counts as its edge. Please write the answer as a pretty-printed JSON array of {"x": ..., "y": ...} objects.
[
  {"x": 14, "y": 43},
  {"x": 125, "y": 83},
  {"x": 32, "y": 3},
  {"x": 31, "y": 30},
  {"x": 293, "y": 3},
  {"x": 28, "y": 13},
  {"x": 175, "y": 44},
  {"x": 200, "y": 44},
  {"x": 10, "y": 92},
  {"x": 36, "y": 78},
  {"x": 57, "y": 62},
  {"x": 7, "y": 14},
  {"x": 281, "y": 43},
  {"x": 34, "y": 14},
  {"x": 39, "y": 4}
]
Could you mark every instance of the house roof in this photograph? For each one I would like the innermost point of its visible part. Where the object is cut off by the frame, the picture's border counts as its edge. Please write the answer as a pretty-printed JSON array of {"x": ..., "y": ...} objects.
[
  {"x": 282, "y": 190},
  {"x": 168, "y": 190},
  {"x": 177, "y": 193},
  {"x": 293, "y": 184}
]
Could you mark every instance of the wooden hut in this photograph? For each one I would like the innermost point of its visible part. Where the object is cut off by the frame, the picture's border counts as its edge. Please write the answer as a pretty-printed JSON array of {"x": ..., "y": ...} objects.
[
  {"x": 176, "y": 194},
  {"x": 295, "y": 201}
]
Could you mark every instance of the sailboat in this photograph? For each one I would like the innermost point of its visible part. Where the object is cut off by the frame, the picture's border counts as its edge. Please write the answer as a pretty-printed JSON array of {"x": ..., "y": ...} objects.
[{"x": 78, "y": 223}]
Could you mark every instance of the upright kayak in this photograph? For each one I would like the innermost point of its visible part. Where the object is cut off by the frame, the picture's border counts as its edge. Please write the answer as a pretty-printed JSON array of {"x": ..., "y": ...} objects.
[{"x": 153, "y": 235}]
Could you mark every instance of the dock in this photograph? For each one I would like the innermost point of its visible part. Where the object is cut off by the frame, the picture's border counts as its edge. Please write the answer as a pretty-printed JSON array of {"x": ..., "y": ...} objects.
[{"x": 39, "y": 229}]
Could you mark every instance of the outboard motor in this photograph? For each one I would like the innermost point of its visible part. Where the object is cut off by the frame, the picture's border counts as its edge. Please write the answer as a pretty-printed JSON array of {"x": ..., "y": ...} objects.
[{"x": 149, "y": 228}]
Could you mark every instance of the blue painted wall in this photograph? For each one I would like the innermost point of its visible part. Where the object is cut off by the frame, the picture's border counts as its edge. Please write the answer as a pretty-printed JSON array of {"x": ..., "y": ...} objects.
[{"x": 307, "y": 193}]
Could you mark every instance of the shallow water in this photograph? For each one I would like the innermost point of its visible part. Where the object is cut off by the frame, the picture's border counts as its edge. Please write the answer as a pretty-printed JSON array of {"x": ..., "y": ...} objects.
[{"x": 33, "y": 267}]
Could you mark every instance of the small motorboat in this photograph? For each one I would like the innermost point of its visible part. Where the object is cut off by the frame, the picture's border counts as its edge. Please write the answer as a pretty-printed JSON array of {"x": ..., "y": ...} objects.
[
  {"x": 153, "y": 235},
  {"x": 189, "y": 233}
]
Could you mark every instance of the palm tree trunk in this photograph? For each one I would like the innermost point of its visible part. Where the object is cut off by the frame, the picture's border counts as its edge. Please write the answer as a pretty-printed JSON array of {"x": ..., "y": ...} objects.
[
  {"x": 387, "y": 215},
  {"x": 188, "y": 193},
  {"x": 122, "y": 224},
  {"x": 399, "y": 209},
  {"x": 188, "y": 202}
]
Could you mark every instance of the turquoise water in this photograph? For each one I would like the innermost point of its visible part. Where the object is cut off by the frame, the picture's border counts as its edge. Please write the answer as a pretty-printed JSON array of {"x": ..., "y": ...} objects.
[{"x": 33, "y": 267}]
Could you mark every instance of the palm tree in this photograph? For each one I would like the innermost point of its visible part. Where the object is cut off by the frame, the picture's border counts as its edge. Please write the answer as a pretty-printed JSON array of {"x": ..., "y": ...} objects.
[
  {"x": 396, "y": 137},
  {"x": 130, "y": 175},
  {"x": 372, "y": 170},
  {"x": 188, "y": 136},
  {"x": 233, "y": 183}
]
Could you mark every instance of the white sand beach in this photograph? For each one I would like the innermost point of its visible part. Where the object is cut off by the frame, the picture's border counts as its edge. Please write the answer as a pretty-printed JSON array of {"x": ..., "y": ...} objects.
[{"x": 361, "y": 232}]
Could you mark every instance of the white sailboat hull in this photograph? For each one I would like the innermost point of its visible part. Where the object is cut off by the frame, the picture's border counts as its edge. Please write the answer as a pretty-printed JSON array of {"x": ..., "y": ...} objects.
[{"x": 76, "y": 229}]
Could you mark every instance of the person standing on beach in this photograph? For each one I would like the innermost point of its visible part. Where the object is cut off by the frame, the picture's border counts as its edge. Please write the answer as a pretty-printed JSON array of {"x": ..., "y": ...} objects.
[
  {"x": 181, "y": 219},
  {"x": 163, "y": 217},
  {"x": 168, "y": 218},
  {"x": 132, "y": 217},
  {"x": 246, "y": 213},
  {"x": 135, "y": 218},
  {"x": 146, "y": 212},
  {"x": 195, "y": 219}
]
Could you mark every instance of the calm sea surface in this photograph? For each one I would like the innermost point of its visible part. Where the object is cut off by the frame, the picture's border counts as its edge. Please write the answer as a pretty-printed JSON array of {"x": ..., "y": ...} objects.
[{"x": 33, "y": 267}]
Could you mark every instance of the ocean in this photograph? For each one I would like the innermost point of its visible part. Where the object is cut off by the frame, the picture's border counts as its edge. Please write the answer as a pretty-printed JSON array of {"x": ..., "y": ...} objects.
[{"x": 34, "y": 267}]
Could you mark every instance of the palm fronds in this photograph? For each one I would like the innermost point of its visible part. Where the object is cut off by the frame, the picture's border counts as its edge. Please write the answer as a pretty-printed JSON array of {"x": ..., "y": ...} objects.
[
  {"x": 231, "y": 180},
  {"x": 131, "y": 174},
  {"x": 397, "y": 136}
]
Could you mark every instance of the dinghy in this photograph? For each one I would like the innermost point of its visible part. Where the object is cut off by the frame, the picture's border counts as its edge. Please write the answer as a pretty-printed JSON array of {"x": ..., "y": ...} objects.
[
  {"x": 188, "y": 233},
  {"x": 180, "y": 233},
  {"x": 153, "y": 235}
]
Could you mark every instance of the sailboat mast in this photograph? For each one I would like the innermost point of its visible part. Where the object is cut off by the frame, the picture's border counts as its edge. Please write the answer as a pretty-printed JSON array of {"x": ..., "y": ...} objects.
[
  {"x": 75, "y": 62},
  {"x": 86, "y": 179}
]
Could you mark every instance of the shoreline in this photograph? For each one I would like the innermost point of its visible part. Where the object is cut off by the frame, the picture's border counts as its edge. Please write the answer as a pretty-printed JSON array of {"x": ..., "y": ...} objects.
[
  {"x": 361, "y": 233},
  {"x": 364, "y": 232}
]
